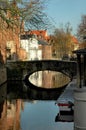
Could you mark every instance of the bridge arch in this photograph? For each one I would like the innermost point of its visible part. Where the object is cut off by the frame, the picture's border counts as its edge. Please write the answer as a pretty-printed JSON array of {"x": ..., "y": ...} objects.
[{"x": 66, "y": 67}]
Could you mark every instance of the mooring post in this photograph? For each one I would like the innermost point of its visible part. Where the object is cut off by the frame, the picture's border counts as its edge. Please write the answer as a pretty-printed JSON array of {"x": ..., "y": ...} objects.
[{"x": 80, "y": 92}]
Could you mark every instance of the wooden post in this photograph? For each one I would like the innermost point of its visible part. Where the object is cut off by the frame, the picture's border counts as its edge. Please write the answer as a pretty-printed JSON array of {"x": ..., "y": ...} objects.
[
  {"x": 79, "y": 70},
  {"x": 84, "y": 71}
]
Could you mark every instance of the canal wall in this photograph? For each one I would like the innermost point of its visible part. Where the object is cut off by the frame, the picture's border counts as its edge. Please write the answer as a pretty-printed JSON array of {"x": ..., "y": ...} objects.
[{"x": 3, "y": 75}]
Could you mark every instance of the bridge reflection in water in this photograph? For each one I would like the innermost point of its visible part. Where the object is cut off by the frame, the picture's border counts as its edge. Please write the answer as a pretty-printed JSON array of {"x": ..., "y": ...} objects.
[
  {"x": 50, "y": 90},
  {"x": 49, "y": 79},
  {"x": 18, "y": 110},
  {"x": 27, "y": 68},
  {"x": 15, "y": 113}
]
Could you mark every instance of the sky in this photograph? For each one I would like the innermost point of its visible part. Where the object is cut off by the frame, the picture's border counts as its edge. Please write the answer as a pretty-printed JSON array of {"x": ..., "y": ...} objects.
[{"x": 64, "y": 11}]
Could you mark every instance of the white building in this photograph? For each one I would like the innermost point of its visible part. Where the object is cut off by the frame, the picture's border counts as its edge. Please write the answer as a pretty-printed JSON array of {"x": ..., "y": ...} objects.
[{"x": 30, "y": 44}]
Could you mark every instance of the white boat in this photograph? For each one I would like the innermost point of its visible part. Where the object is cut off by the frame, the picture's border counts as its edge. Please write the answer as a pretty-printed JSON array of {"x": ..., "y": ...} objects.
[{"x": 66, "y": 103}]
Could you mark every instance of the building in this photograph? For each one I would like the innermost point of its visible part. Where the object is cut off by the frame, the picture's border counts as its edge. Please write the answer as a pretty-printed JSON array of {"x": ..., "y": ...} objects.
[
  {"x": 36, "y": 44},
  {"x": 9, "y": 38},
  {"x": 29, "y": 45}
]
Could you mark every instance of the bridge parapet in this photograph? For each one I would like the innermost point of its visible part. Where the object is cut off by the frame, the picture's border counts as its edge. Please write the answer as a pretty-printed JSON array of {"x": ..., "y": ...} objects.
[{"x": 67, "y": 67}]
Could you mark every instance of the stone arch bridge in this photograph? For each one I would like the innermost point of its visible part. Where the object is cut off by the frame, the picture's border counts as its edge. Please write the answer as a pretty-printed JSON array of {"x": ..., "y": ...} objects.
[{"x": 14, "y": 68}]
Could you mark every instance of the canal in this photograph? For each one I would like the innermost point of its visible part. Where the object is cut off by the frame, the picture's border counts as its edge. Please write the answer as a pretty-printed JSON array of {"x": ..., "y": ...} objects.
[{"x": 25, "y": 108}]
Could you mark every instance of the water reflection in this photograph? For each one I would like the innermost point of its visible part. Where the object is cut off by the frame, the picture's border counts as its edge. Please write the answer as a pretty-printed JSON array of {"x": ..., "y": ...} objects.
[
  {"x": 30, "y": 114},
  {"x": 64, "y": 118},
  {"x": 24, "y": 108},
  {"x": 19, "y": 90},
  {"x": 24, "y": 91},
  {"x": 10, "y": 115},
  {"x": 49, "y": 79}
]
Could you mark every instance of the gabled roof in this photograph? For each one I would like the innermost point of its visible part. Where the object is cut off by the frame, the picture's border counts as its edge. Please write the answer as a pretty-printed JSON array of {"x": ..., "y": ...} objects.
[
  {"x": 42, "y": 33},
  {"x": 74, "y": 39}
]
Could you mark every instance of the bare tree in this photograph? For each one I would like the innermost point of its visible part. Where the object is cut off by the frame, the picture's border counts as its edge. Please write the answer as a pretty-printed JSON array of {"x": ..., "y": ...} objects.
[
  {"x": 18, "y": 12},
  {"x": 62, "y": 41},
  {"x": 17, "y": 15},
  {"x": 81, "y": 31}
]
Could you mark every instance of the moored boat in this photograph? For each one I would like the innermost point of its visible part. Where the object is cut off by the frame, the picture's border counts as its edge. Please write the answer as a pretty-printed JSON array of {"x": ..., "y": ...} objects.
[{"x": 66, "y": 103}]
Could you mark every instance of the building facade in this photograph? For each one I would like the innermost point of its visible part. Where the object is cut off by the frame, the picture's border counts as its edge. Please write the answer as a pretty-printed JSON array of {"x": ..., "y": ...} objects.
[{"x": 36, "y": 45}]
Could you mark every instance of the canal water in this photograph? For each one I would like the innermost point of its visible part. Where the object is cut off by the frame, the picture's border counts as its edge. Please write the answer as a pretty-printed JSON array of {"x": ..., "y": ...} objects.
[{"x": 25, "y": 108}]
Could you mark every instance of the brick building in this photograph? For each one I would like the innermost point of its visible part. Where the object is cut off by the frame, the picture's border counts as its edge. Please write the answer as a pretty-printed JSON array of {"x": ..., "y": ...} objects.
[{"x": 9, "y": 38}]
